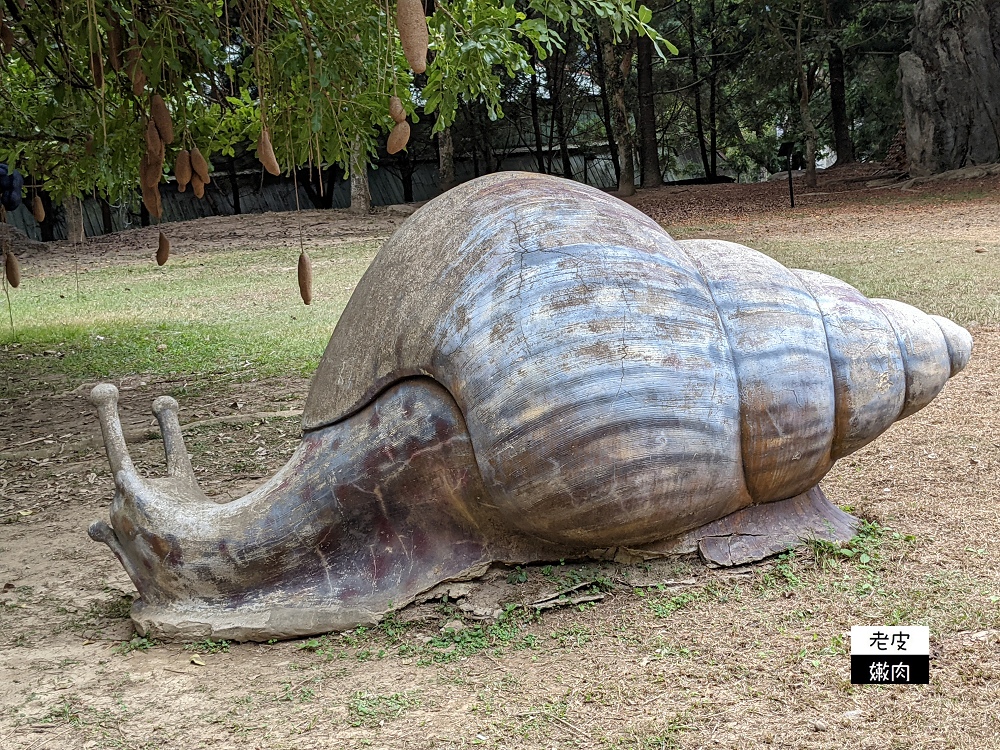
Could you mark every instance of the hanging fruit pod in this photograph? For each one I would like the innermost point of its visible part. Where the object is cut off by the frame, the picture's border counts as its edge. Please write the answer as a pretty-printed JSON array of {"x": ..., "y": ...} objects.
[
  {"x": 161, "y": 116},
  {"x": 399, "y": 137},
  {"x": 413, "y": 34},
  {"x": 265, "y": 152},
  {"x": 153, "y": 140},
  {"x": 6, "y": 37},
  {"x": 197, "y": 185},
  {"x": 305, "y": 278},
  {"x": 114, "y": 41},
  {"x": 13, "y": 270},
  {"x": 199, "y": 166},
  {"x": 396, "y": 111},
  {"x": 38, "y": 209},
  {"x": 135, "y": 72},
  {"x": 162, "y": 250},
  {"x": 182, "y": 169},
  {"x": 151, "y": 167},
  {"x": 152, "y": 201}
]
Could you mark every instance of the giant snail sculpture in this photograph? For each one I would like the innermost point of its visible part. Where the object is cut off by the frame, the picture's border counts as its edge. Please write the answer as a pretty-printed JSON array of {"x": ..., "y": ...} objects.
[{"x": 529, "y": 370}]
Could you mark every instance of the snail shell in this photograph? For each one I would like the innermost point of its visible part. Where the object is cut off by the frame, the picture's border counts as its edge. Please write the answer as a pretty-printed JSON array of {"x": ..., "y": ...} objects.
[
  {"x": 618, "y": 386},
  {"x": 551, "y": 373}
]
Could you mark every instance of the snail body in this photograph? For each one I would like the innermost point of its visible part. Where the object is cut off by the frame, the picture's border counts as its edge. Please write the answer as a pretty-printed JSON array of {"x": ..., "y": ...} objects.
[{"x": 551, "y": 374}]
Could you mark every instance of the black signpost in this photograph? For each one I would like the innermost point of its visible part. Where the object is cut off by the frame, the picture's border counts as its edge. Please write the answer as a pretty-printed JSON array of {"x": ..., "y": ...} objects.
[{"x": 786, "y": 150}]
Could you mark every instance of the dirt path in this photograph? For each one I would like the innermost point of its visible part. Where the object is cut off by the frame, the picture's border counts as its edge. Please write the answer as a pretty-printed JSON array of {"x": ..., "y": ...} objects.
[{"x": 733, "y": 659}]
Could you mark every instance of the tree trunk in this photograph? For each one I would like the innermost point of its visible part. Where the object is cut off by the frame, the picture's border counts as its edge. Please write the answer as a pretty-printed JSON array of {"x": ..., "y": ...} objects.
[
  {"x": 559, "y": 114},
  {"x": 651, "y": 175},
  {"x": 838, "y": 107},
  {"x": 74, "y": 219},
  {"x": 608, "y": 127},
  {"x": 696, "y": 90},
  {"x": 805, "y": 94},
  {"x": 712, "y": 99},
  {"x": 109, "y": 227},
  {"x": 619, "y": 114},
  {"x": 361, "y": 197},
  {"x": 234, "y": 185},
  {"x": 950, "y": 87},
  {"x": 48, "y": 226},
  {"x": 446, "y": 160},
  {"x": 404, "y": 163},
  {"x": 535, "y": 122},
  {"x": 812, "y": 136}
]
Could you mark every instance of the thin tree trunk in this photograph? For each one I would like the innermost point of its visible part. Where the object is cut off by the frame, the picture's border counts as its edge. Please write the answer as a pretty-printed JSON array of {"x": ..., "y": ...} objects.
[
  {"x": 234, "y": 185},
  {"x": 331, "y": 183},
  {"x": 446, "y": 160},
  {"x": 535, "y": 122},
  {"x": 550, "y": 76},
  {"x": 48, "y": 226},
  {"x": 810, "y": 130},
  {"x": 805, "y": 94},
  {"x": 713, "y": 98},
  {"x": 608, "y": 127},
  {"x": 619, "y": 114},
  {"x": 651, "y": 176},
  {"x": 106, "y": 216},
  {"x": 838, "y": 107},
  {"x": 405, "y": 165},
  {"x": 73, "y": 207},
  {"x": 699, "y": 125},
  {"x": 361, "y": 197},
  {"x": 559, "y": 115}
]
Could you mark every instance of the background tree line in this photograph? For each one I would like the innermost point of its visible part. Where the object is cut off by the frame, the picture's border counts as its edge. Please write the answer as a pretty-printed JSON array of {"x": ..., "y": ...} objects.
[{"x": 695, "y": 88}]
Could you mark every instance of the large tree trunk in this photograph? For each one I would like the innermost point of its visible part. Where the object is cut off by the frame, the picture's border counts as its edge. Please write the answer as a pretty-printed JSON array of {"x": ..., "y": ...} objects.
[
  {"x": 619, "y": 114},
  {"x": 838, "y": 107},
  {"x": 605, "y": 102},
  {"x": 361, "y": 197},
  {"x": 950, "y": 87},
  {"x": 446, "y": 160},
  {"x": 651, "y": 176}
]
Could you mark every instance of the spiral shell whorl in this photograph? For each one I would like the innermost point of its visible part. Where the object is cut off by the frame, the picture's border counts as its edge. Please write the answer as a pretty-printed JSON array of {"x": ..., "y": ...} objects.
[{"x": 924, "y": 349}]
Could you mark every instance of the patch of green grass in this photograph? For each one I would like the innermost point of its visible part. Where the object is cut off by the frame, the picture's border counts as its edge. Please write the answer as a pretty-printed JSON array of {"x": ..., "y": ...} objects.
[
  {"x": 941, "y": 277},
  {"x": 667, "y": 605},
  {"x": 373, "y": 710},
  {"x": 227, "y": 311},
  {"x": 138, "y": 643},
  {"x": 207, "y": 646}
]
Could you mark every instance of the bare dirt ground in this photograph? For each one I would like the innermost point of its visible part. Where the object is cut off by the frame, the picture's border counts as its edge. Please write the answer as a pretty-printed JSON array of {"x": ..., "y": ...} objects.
[{"x": 668, "y": 654}]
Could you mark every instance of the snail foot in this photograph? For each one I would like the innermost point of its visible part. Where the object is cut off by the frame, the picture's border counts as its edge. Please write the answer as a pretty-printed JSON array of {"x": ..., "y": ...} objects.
[{"x": 760, "y": 531}]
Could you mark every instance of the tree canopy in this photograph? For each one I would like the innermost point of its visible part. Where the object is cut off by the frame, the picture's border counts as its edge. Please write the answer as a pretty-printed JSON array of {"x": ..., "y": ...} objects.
[{"x": 78, "y": 75}]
